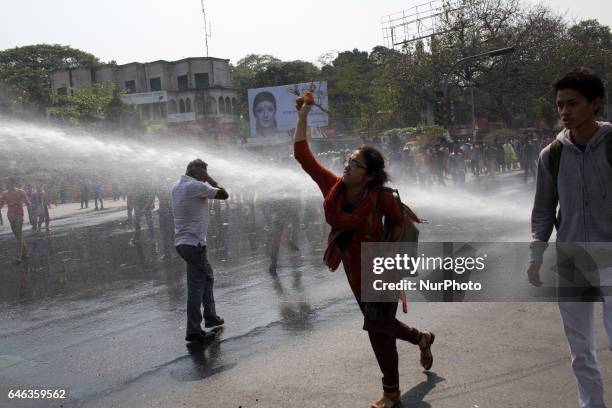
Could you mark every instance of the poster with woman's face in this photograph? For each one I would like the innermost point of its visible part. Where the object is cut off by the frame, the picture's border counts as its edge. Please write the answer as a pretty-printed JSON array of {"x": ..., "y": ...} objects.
[{"x": 272, "y": 109}]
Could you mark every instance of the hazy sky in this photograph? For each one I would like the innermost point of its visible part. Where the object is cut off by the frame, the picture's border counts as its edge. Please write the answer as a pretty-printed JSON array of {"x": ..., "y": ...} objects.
[{"x": 147, "y": 30}]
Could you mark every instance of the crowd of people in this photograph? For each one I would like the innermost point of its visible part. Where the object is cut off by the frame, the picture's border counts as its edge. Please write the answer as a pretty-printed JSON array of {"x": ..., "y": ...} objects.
[
  {"x": 435, "y": 164},
  {"x": 35, "y": 199}
]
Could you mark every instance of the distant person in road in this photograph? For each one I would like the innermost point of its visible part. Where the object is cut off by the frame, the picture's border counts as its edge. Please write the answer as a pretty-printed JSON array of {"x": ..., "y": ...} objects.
[
  {"x": 144, "y": 203},
  {"x": 97, "y": 191},
  {"x": 36, "y": 208},
  {"x": 264, "y": 109},
  {"x": 63, "y": 194},
  {"x": 84, "y": 193},
  {"x": 439, "y": 160},
  {"x": 284, "y": 217},
  {"x": 166, "y": 220},
  {"x": 130, "y": 197},
  {"x": 115, "y": 190},
  {"x": 574, "y": 173},
  {"x": 351, "y": 205},
  {"x": 457, "y": 166},
  {"x": 15, "y": 198},
  {"x": 191, "y": 197},
  {"x": 29, "y": 190},
  {"x": 529, "y": 156},
  {"x": 490, "y": 155},
  {"x": 475, "y": 155},
  {"x": 45, "y": 203},
  {"x": 509, "y": 155}
]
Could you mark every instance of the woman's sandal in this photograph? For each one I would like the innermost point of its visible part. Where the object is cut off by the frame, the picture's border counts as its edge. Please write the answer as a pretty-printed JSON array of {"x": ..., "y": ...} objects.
[
  {"x": 426, "y": 356},
  {"x": 388, "y": 400}
]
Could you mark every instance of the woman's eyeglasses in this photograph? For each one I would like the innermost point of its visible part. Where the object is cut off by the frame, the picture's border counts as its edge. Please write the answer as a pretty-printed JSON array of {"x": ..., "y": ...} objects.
[{"x": 353, "y": 164}]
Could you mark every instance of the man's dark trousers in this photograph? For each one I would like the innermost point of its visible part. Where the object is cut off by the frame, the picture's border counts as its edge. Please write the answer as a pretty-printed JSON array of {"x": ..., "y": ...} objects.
[{"x": 200, "y": 282}]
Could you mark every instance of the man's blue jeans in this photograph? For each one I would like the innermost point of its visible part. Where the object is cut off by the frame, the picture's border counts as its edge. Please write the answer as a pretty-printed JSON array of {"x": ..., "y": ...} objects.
[{"x": 200, "y": 282}]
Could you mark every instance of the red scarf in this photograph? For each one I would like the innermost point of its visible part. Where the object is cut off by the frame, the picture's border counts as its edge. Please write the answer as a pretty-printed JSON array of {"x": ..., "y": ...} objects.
[{"x": 342, "y": 221}]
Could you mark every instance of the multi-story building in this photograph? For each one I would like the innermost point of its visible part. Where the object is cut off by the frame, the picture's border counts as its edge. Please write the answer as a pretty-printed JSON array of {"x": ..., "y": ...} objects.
[{"x": 192, "y": 94}]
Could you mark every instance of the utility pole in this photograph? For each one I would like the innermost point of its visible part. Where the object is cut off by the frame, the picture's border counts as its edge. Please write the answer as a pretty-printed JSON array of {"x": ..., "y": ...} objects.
[{"x": 206, "y": 28}]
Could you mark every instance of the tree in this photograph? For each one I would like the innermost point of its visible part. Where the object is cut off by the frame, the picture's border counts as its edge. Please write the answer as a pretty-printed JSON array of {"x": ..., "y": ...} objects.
[
  {"x": 589, "y": 44},
  {"x": 89, "y": 104},
  {"x": 349, "y": 79},
  {"x": 386, "y": 88},
  {"x": 257, "y": 62},
  {"x": 27, "y": 69},
  {"x": 259, "y": 71}
]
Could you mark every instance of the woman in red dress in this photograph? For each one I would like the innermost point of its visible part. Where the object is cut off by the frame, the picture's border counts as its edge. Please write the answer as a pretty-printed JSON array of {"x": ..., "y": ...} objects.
[{"x": 353, "y": 205}]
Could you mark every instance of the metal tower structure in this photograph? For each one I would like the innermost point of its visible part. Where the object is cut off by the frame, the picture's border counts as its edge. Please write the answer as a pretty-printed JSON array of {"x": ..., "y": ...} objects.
[
  {"x": 207, "y": 33},
  {"x": 418, "y": 22}
]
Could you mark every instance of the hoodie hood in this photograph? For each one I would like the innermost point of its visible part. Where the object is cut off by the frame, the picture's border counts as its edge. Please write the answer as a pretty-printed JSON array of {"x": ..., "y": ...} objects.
[{"x": 604, "y": 129}]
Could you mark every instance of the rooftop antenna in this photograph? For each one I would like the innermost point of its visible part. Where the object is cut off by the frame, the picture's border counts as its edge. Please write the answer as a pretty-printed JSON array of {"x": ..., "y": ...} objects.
[{"x": 207, "y": 33}]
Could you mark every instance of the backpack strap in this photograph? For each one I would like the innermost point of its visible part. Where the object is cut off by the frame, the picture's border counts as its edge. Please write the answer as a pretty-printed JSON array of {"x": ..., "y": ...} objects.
[
  {"x": 556, "y": 147},
  {"x": 404, "y": 209},
  {"x": 380, "y": 215},
  {"x": 609, "y": 148}
]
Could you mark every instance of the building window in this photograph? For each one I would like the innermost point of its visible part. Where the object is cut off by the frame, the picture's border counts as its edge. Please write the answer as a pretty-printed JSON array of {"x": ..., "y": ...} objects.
[
  {"x": 221, "y": 106},
  {"x": 172, "y": 106},
  {"x": 187, "y": 105},
  {"x": 63, "y": 91},
  {"x": 181, "y": 106},
  {"x": 235, "y": 106},
  {"x": 130, "y": 86},
  {"x": 228, "y": 105},
  {"x": 201, "y": 81},
  {"x": 211, "y": 106},
  {"x": 155, "y": 84},
  {"x": 183, "y": 82}
]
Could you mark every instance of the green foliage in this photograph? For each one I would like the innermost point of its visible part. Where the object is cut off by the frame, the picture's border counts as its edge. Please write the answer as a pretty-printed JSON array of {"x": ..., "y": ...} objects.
[
  {"x": 546, "y": 110},
  {"x": 88, "y": 104},
  {"x": 26, "y": 70},
  {"x": 425, "y": 134},
  {"x": 387, "y": 89},
  {"x": 258, "y": 71},
  {"x": 348, "y": 79},
  {"x": 398, "y": 132},
  {"x": 428, "y": 134}
]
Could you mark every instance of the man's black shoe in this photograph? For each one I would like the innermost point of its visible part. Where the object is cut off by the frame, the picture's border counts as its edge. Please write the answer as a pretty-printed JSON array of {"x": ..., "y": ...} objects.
[
  {"x": 214, "y": 322},
  {"x": 201, "y": 337}
]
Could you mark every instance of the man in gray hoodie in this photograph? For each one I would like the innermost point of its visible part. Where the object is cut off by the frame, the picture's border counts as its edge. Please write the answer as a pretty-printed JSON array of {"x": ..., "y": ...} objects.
[{"x": 574, "y": 172}]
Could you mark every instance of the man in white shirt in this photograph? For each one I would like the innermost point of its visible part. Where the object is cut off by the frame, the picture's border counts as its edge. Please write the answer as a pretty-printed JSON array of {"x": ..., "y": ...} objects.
[{"x": 190, "y": 206}]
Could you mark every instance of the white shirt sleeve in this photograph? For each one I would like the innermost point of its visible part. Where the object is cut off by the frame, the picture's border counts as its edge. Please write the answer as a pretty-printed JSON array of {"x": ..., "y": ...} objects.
[{"x": 204, "y": 190}]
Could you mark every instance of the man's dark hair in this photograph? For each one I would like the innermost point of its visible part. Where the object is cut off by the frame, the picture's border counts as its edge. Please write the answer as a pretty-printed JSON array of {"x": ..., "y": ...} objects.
[
  {"x": 194, "y": 164},
  {"x": 584, "y": 81}
]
